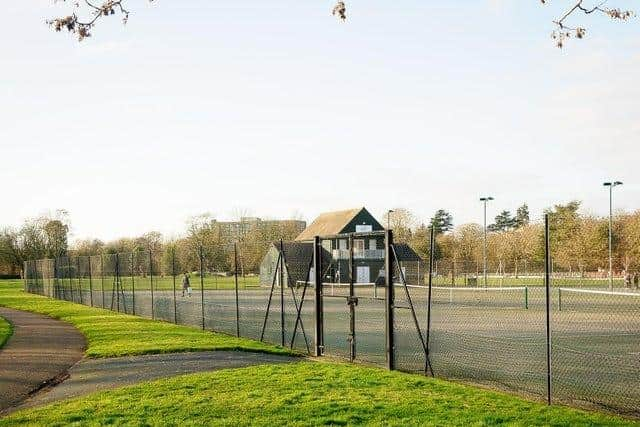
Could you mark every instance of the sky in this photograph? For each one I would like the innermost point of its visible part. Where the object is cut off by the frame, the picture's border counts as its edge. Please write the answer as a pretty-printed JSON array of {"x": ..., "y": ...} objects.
[{"x": 275, "y": 108}]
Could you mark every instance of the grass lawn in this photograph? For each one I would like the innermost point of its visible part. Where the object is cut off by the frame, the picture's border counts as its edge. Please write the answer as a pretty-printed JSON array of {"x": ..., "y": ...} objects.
[
  {"x": 305, "y": 393},
  {"x": 110, "y": 334},
  {"x": 5, "y": 331}
]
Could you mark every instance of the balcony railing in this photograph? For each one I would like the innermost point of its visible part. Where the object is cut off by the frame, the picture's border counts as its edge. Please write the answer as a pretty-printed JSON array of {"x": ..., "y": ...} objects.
[{"x": 359, "y": 254}]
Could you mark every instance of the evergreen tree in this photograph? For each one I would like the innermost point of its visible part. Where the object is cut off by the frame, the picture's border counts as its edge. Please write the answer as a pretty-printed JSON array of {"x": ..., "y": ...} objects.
[
  {"x": 522, "y": 216},
  {"x": 503, "y": 222},
  {"x": 442, "y": 221}
]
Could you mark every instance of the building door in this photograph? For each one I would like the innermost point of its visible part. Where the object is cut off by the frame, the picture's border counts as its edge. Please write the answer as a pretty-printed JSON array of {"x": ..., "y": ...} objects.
[{"x": 363, "y": 274}]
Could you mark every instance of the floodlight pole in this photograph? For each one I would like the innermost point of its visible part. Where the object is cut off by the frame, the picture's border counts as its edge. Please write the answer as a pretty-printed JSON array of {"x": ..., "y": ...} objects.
[
  {"x": 611, "y": 185},
  {"x": 389, "y": 212},
  {"x": 484, "y": 249}
]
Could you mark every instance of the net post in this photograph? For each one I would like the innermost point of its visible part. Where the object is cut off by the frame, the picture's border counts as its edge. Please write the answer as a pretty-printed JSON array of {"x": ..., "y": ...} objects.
[
  {"x": 547, "y": 285},
  {"x": 235, "y": 274},
  {"x": 317, "y": 278},
  {"x": 526, "y": 298},
  {"x": 559, "y": 299},
  {"x": 389, "y": 299}
]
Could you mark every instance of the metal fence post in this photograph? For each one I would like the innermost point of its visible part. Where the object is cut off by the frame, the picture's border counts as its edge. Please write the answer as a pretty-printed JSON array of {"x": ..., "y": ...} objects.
[
  {"x": 117, "y": 285},
  {"x": 173, "y": 273},
  {"x": 282, "y": 293},
  {"x": 547, "y": 285},
  {"x": 235, "y": 261},
  {"x": 202, "y": 285},
  {"x": 90, "y": 283},
  {"x": 430, "y": 283},
  {"x": 102, "y": 277},
  {"x": 79, "y": 279},
  {"x": 317, "y": 278},
  {"x": 133, "y": 286},
  {"x": 151, "y": 282},
  {"x": 389, "y": 299},
  {"x": 352, "y": 302}
]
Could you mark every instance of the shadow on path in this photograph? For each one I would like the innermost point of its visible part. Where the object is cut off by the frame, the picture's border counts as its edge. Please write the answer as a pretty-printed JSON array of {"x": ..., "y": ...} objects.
[{"x": 39, "y": 353}]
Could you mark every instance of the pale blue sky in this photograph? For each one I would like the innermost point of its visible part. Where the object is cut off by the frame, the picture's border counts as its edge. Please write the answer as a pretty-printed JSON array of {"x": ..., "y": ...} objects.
[{"x": 275, "y": 107}]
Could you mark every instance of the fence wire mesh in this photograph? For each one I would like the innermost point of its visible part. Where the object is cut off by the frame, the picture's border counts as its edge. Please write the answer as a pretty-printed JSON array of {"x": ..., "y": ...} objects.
[{"x": 490, "y": 334}]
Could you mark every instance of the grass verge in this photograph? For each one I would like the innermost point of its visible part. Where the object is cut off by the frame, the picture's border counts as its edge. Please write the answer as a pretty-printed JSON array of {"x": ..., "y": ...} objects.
[
  {"x": 5, "y": 331},
  {"x": 110, "y": 334},
  {"x": 305, "y": 393}
]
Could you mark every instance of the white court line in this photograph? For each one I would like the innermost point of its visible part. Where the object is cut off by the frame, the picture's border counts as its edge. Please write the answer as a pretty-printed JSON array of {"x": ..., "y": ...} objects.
[{"x": 589, "y": 291}]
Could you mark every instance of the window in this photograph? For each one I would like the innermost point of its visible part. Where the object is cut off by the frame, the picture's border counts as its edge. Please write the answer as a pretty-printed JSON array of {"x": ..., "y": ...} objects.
[
  {"x": 373, "y": 244},
  {"x": 343, "y": 244},
  {"x": 358, "y": 245},
  {"x": 364, "y": 228}
]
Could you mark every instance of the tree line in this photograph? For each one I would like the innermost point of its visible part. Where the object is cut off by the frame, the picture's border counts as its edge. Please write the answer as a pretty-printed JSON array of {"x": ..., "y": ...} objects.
[{"x": 579, "y": 242}]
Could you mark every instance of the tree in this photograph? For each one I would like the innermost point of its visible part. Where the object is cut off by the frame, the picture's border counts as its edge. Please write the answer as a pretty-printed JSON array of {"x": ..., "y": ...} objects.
[
  {"x": 82, "y": 27},
  {"x": 401, "y": 221},
  {"x": 503, "y": 222},
  {"x": 35, "y": 239},
  {"x": 442, "y": 221},
  {"x": 522, "y": 216}
]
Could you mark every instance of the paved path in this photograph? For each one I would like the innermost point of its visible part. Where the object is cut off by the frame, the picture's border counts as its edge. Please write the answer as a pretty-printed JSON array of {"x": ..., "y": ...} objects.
[
  {"x": 99, "y": 374},
  {"x": 39, "y": 353}
]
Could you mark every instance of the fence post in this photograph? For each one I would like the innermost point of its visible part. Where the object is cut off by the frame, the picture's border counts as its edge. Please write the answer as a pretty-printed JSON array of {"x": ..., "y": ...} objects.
[
  {"x": 282, "y": 293},
  {"x": 173, "y": 273},
  {"x": 90, "y": 283},
  {"x": 430, "y": 283},
  {"x": 35, "y": 272},
  {"x": 351, "y": 301},
  {"x": 547, "y": 285},
  {"x": 79, "y": 279},
  {"x": 133, "y": 286},
  {"x": 151, "y": 282},
  {"x": 317, "y": 278},
  {"x": 389, "y": 300},
  {"x": 117, "y": 284},
  {"x": 202, "y": 285},
  {"x": 235, "y": 273},
  {"x": 102, "y": 277}
]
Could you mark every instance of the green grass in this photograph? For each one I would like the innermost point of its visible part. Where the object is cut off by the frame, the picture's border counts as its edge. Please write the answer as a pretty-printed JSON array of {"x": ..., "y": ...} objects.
[
  {"x": 5, "y": 331},
  {"x": 109, "y": 334},
  {"x": 305, "y": 393},
  {"x": 161, "y": 283}
]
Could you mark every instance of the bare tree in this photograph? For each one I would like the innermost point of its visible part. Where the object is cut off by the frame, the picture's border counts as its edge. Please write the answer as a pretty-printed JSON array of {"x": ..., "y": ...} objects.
[{"x": 83, "y": 27}]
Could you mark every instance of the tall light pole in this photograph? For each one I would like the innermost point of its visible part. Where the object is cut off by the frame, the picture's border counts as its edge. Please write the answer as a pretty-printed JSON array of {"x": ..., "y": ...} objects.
[
  {"x": 611, "y": 185},
  {"x": 484, "y": 200},
  {"x": 389, "y": 212}
]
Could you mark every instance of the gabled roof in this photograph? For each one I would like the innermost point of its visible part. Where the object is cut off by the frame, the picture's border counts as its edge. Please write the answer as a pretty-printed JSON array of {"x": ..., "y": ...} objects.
[
  {"x": 406, "y": 253},
  {"x": 329, "y": 223}
]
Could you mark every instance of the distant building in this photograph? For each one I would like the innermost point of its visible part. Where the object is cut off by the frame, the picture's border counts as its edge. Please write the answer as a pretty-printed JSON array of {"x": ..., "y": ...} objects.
[{"x": 368, "y": 251}]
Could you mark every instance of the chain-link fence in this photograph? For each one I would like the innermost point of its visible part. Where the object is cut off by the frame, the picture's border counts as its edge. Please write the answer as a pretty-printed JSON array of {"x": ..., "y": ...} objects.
[{"x": 560, "y": 335}]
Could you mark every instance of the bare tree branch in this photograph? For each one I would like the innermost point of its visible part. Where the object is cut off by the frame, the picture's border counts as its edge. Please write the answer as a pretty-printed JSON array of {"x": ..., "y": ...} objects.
[
  {"x": 563, "y": 31},
  {"x": 83, "y": 28}
]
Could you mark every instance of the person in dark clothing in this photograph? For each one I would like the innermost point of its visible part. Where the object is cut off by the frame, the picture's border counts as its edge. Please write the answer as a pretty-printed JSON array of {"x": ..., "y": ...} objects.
[{"x": 186, "y": 285}]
